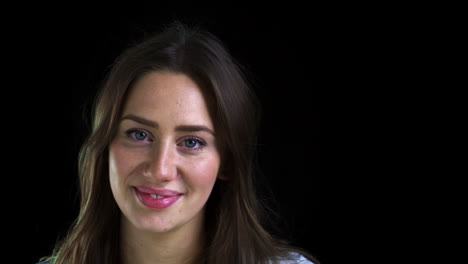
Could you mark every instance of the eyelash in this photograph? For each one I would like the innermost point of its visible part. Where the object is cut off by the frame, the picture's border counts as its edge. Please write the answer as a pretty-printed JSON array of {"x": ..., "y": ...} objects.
[
  {"x": 130, "y": 133},
  {"x": 201, "y": 143}
]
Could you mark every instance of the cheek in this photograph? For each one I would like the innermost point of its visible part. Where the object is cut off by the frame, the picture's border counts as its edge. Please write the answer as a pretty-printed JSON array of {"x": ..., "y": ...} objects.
[
  {"x": 121, "y": 163},
  {"x": 202, "y": 174}
]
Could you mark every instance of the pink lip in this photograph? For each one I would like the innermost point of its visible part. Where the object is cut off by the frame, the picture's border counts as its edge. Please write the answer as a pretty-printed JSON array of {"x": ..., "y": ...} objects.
[
  {"x": 144, "y": 195},
  {"x": 158, "y": 191}
]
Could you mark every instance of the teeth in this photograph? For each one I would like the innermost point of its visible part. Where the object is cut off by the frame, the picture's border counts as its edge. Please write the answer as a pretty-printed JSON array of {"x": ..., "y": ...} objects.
[{"x": 155, "y": 196}]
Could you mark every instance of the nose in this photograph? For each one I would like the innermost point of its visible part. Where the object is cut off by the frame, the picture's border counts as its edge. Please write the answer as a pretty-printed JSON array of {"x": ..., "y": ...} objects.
[{"x": 162, "y": 164}]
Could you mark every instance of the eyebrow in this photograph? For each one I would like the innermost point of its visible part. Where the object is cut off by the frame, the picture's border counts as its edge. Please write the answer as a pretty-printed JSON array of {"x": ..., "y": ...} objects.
[
  {"x": 181, "y": 128},
  {"x": 141, "y": 120},
  {"x": 194, "y": 129}
]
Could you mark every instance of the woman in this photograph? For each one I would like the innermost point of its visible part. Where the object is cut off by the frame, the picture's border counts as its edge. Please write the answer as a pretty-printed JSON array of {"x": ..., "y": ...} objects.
[{"x": 166, "y": 175}]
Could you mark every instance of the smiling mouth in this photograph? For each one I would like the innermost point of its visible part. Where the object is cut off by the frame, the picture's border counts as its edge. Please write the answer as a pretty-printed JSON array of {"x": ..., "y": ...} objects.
[
  {"x": 155, "y": 196},
  {"x": 156, "y": 201}
]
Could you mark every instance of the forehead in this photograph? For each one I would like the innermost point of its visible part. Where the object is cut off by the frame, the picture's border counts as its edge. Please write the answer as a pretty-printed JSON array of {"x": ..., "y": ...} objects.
[
  {"x": 164, "y": 84},
  {"x": 164, "y": 94}
]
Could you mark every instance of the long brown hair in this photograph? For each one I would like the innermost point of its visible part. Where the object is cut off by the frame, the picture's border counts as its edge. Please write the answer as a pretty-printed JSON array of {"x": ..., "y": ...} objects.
[{"x": 235, "y": 232}]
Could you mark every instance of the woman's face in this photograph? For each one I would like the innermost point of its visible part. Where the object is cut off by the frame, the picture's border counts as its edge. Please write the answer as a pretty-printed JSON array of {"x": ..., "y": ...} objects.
[{"x": 163, "y": 162}]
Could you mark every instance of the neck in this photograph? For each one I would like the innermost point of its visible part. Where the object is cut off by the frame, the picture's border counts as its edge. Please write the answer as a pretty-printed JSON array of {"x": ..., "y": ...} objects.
[{"x": 181, "y": 245}]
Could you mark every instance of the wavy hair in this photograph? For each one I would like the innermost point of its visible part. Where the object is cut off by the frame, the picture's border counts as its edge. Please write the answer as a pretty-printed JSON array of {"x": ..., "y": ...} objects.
[{"x": 236, "y": 234}]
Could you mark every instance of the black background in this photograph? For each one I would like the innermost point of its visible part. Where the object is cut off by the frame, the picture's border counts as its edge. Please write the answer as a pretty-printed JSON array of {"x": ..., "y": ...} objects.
[{"x": 58, "y": 59}]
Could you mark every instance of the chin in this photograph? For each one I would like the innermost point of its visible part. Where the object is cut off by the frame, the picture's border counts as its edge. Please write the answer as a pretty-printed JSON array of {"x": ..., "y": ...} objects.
[{"x": 153, "y": 224}]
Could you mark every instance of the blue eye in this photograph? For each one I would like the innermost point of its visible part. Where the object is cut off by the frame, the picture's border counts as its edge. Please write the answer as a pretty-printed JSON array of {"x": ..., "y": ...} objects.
[
  {"x": 140, "y": 135},
  {"x": 190, "y": 143},
  {"x": 137, "y": 134}
]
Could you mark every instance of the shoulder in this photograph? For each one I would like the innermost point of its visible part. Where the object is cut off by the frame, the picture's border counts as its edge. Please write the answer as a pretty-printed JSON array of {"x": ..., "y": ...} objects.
[{"x": 295, "y": 258}]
